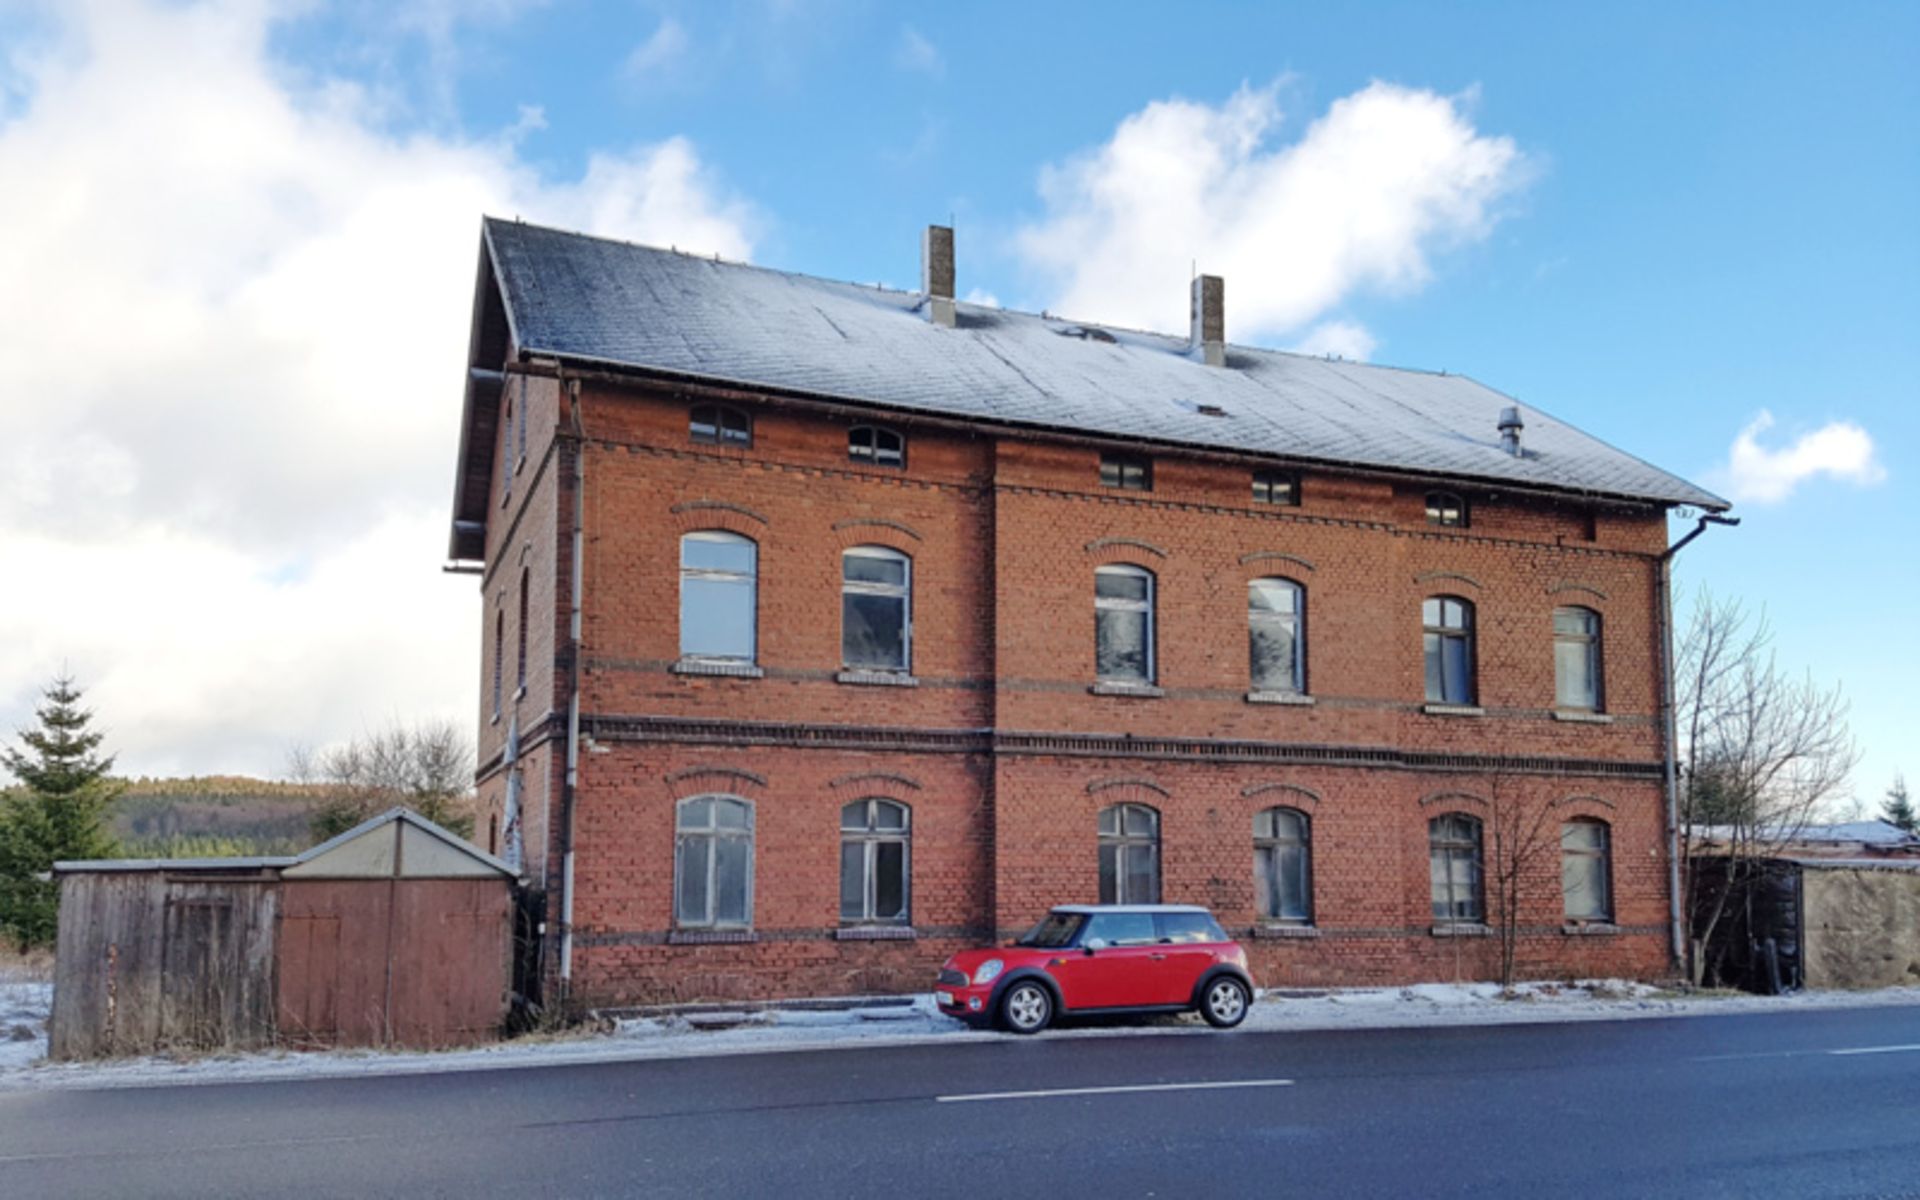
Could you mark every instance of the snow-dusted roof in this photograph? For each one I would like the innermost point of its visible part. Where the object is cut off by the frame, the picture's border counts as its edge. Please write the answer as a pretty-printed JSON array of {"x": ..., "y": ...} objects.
[{"x": 592, "y": 300}]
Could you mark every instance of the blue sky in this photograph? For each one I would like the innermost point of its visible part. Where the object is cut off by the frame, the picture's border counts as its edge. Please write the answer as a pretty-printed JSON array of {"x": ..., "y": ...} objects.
[{"x": 1657, "y": 225}]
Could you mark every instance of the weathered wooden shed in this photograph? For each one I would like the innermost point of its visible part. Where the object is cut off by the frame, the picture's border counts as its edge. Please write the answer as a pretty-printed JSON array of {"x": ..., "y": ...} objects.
[{"x": 394, "y": 933}]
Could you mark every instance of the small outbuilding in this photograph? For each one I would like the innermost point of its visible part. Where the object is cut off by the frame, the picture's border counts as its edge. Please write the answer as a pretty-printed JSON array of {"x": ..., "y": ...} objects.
[{"x": 395, "y": 933}]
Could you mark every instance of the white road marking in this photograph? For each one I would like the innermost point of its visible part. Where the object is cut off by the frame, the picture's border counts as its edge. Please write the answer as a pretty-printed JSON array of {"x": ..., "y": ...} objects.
[
  {"x": 1110, "y": 1091},
  {"x": 1879, "y": 1049}
]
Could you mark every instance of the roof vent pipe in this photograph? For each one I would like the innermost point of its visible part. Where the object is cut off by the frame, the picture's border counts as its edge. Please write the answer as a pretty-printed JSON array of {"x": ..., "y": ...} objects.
[
  {"x": 1510, "y": 427},
  {"x": 1209, "y": 333},
  {"x": 936, "y": 273}
]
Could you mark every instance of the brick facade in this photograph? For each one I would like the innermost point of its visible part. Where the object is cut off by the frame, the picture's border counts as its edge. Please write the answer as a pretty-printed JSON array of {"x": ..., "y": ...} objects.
[{"x": 1000, "y": 748}]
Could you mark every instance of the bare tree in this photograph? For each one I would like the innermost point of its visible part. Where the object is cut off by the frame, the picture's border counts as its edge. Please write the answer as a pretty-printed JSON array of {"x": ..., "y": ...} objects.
[
  {"x": 427, "y": 766},
  {"x": 1762, "y": 753},
  {"x": 1523, "y": 837}
]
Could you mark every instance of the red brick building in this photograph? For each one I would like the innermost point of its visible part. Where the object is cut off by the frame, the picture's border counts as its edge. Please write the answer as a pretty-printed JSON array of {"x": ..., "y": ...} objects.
[{"x": 830, "y": 628}]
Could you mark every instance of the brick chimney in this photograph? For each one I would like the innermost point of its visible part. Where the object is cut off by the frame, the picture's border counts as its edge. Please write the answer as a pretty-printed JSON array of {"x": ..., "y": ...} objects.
[
  {"x": 1210, "y": 320},
  {"x": 936, "y": 273}
]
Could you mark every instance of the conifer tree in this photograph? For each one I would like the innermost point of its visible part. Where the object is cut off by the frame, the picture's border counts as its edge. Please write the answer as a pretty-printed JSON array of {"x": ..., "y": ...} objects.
[
  {"x": 1898, "y": 807},
  {"x": 57, "y": 813}
]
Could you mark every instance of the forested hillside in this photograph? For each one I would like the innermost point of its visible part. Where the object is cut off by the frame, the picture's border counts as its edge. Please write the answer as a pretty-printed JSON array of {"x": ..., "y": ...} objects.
[{"x": 213, "y": 816}]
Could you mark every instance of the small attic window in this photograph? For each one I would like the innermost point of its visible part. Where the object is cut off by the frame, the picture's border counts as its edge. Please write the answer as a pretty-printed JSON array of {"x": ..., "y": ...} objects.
[
  {"x": 877, "y": 447},
  {"x": 1276, "y": 487},
  {"x": 718, "y": 425},
  {"x": 1446, "y": 508},
  {"x": 1129, "y": 472}
]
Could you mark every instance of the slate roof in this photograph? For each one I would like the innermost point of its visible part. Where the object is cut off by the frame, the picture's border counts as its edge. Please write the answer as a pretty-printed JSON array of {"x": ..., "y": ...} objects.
[{"x": 593, "y": 300}]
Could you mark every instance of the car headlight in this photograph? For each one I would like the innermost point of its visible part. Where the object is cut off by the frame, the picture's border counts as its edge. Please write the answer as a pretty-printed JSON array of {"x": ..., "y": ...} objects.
[{"x": 988, "y": 971}]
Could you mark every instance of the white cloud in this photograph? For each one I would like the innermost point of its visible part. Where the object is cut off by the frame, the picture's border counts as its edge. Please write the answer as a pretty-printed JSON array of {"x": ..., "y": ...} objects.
[
  {"x": 230, "y": 350},
  {"x": 662, "y": 49},
  {"x": 1361, "y": 200},
  {"x": 1758, "y": 475},
  {"x": 1340, "y": 339},
  {"x": 916, "y": 53}
]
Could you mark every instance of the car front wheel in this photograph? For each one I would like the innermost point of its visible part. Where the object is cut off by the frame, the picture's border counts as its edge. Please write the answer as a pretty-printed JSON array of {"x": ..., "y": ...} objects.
[
  {"x": 1225, "y": 1003},
  {"x": 1027, "y": 1007}
]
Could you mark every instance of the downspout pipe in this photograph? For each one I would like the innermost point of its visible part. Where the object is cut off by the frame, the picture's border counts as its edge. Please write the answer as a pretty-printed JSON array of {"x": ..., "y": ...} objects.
[
  {"x": 1669, "y": 727},
  {"x": 572, "y": 781}
]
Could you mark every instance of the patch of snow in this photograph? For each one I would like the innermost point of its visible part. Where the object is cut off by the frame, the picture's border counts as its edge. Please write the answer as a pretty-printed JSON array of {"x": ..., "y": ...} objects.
[{"x": 639, "y": 1039}]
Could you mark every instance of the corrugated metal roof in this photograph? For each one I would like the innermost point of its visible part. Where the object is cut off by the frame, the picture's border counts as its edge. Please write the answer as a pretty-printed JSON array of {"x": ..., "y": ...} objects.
[{"x": 594, "y": 300}]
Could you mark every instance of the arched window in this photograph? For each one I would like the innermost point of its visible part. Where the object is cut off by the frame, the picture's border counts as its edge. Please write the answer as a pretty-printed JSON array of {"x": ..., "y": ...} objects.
[
  {"x": 1586, "y": 869},
  {"x": 719, "y": 425},
  {"x": 876, "y": 618},
  {"x": 1448, "y": 637},
  {"x": 1453, "y": 850},
  {"x": 506, "y": 445},
  {"x": 874, "y": 869},
  {"x": 876, "y": 446},
  {"x": 1129, "y": 855},
  {"x": 1123, "y": 624},
  {"x": 713, "y": 863},
  {"x": 1276, "y": 635},
  {"x": 1283, "y": 865},
  {"x": 718, "y": 596},
  {"x": 1446, "y": 508},
  {"x": 499, "y": 656},
  {"x": 522, "y": 676},
  {"x": 1576, "y": 659}
]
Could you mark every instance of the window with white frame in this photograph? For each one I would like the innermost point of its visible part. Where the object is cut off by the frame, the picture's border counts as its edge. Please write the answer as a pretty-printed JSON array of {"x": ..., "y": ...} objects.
[
  {"x": 1447, "y": 635},
  {"x": 1576, "y": 659},
  {"x": 876, "y": 446},
  {"x": 876, "y": 609},
  {"x": 1129, "y": 855},
  {"x": 1453, "y": 851},
  {"x": 719, "y": 586},
  {"x": 874, "y": 862},
  {"x": 1123, "y": 624},
  {"x": 1586, "y": 869},
  {"x": 1276, "y": 635},
  {"x": 713, "y": 863},
  {"x": 1283, "y": 865}
]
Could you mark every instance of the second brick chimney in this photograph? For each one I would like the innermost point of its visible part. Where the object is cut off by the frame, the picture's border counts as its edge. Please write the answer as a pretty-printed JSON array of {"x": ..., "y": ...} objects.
[
  {"x": 1210, "y": 320},
  {"x": 936, "y": 273}
]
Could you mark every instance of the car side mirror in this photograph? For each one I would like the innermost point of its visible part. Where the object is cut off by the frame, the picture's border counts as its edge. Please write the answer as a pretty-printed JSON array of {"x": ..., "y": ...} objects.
[{"x": 1096, "y": 944}]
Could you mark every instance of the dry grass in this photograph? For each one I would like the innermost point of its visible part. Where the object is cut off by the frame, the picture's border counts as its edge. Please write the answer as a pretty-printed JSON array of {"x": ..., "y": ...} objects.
[{"x": 35, "y": 966}]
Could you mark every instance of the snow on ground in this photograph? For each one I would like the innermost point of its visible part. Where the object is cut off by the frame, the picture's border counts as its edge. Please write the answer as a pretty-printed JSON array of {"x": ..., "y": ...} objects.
[
  {"x": 24, "y": 1005},
  {"x": 916, "y": 1024}
]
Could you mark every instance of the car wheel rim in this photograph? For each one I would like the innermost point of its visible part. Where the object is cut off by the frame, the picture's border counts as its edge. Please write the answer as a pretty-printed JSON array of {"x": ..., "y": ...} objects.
[
  {"x": 1225, "y": 1001},
  {"x": 1026, "y": 1007}
]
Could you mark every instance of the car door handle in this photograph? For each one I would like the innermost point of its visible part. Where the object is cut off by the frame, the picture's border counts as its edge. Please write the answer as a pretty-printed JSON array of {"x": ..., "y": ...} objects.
[{"x": 1157, "y": 957}]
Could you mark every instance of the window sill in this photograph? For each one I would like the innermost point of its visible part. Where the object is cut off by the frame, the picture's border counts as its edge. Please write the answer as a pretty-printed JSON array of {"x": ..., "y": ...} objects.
[
  {"x": 1298, "y": 699},
  {"x": 1462, "y": 929},
  {"x": 1582, "y": 717},
  {"x": 874, "y": 933},
  {"x": 866, "y": 678},
  {"x": 1590, "y": 929},
  {"x": 1453, "y": 710},
  {"x": 711, "y": 937},
  {"x": 1286, "y": 932},
  {"x": 1143, "y": 691},
  {"x": 698, "y": 666}
]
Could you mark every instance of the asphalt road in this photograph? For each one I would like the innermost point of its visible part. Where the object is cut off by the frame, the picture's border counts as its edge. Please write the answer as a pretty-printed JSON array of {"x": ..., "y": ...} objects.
[{"x": 1802, "y": 1104}]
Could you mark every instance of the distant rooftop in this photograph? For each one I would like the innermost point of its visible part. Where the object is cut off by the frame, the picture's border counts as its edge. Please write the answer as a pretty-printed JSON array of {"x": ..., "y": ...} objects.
[{"x": 596, "y": 301}]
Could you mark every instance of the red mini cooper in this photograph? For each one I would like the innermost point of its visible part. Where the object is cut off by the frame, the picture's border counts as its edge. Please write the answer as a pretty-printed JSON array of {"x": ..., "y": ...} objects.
[{"x": 1106, "y": 958}]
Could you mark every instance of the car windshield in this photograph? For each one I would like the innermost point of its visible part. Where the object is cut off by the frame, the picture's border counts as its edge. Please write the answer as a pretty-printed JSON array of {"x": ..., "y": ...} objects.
[{"x": 1054, "y": 930}]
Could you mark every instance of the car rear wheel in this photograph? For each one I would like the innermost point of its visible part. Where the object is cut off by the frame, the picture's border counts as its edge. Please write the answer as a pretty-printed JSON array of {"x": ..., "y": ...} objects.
[
  {"x": 1224, "y": 1004},
  {"x": 1026, "y": 1007}
]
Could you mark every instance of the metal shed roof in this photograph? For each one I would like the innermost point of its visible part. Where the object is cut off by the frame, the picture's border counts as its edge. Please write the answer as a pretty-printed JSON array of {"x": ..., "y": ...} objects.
[
  {"x": 315, "y": 862},
  {"x": 596, "y": 301}
]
